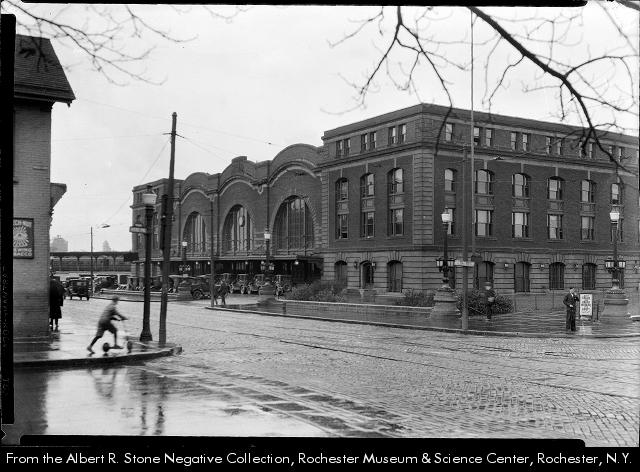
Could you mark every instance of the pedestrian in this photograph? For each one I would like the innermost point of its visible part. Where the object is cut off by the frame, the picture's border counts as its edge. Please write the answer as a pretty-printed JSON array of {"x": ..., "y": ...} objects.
[
  {"x": 571, "y": 300},
  {"x": 215, "y": 294},
  {"x": 489, "y": 295},
  {"x": 109, "y": 314},
  {"x": 224, "y": 289},
  {"x": 56, "y": 300}
]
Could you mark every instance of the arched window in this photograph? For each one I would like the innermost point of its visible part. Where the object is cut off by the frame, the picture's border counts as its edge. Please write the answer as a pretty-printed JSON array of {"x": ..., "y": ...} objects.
[
  {"x": 294, "y": 225},
  {"x": 340, "y": 268},
  {"x": 520, "y": 185},
  {"x": 394, "y": 279},
  {"x": 521, "y": 277},
  {"x": 616, "y": 194},
  {"x": 237, "y": 232},
  {"x": 449, "y": 180},
  {"x": 195, "y": 233},
  {"x": 484, "y": 182},
  {"x": 483, "y": 273},
  {"x": 555, "y": 187},
  {"x": 588, "y": 191},
  {"x": 556, "y": 276},
  {"x": 589, "y": 276}
]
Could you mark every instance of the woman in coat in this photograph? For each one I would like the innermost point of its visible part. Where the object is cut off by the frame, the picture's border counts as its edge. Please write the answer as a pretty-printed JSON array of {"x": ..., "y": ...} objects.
[{"x": 56, "y": 298}]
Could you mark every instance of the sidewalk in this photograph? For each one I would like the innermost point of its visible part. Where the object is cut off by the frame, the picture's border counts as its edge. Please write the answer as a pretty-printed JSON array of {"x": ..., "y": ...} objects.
[
  {"x": 523, "y": 323},
  {"x": 68, "y": 348}
]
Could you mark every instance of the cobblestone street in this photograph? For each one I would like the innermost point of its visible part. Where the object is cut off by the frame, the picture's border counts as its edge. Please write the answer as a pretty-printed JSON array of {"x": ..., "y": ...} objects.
[{"x": 343, "y": 380}]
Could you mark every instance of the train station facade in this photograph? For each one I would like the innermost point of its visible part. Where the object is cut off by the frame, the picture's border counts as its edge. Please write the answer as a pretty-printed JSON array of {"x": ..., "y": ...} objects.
[{"x": 365, "y": 207}]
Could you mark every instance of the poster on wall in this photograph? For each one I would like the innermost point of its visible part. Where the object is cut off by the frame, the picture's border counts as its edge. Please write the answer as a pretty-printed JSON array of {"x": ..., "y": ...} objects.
[{"x": 23, "y": 238}]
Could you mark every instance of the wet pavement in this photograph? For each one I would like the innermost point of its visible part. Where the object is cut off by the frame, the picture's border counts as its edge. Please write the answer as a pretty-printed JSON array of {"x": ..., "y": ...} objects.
[{"x": 245, "y": 374}]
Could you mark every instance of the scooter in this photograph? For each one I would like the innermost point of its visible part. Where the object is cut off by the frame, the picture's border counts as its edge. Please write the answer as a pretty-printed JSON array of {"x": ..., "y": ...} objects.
[{"x": 106, "y": 347}]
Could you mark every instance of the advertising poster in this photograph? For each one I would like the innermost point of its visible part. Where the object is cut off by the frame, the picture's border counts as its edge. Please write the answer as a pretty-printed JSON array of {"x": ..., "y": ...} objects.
[{"x": 23, "y": 238}]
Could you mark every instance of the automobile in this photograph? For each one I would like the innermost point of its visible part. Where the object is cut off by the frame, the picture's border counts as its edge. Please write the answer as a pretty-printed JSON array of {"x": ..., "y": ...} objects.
[
  {"x": 258, "y": 281},
  {"x": 266, "y": 285},
  {"x": 79, "y": 287},
  {"x": 104, "y": 281},
  {"x": 240, "y": 284},
  {"x": 200, "y": 287},
  {"x": 283, "y": 284}
]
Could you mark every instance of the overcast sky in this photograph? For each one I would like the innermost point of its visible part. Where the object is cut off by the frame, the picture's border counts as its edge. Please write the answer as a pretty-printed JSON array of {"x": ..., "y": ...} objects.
[{"x": 251, "y": 86}]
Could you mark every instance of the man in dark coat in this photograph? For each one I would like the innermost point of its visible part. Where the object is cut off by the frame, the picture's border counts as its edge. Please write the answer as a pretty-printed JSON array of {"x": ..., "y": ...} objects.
[
  {"x": 56, "y": 299},
  {"x": 224, "y": 289},
  {"x": 571, "y": 301},
  {"x": 489, "y": 295}
]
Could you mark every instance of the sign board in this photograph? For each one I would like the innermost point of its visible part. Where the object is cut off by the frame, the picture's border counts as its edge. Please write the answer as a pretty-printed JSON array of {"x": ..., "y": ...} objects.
[
  {"x": 461, "y": 263},
  {"x": 23, "y": 238},
  {"x": 586, "y": 305},
  {"x": 138, "y": 229}
]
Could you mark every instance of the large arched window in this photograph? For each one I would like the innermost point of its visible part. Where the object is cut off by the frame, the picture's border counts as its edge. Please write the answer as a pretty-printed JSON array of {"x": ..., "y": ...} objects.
[
  {"x": 556, "y": 276},
  {"x": 195, "y": 233},
  {"x": 237, "y": 232},
  {"x": 294, "y": 225}
]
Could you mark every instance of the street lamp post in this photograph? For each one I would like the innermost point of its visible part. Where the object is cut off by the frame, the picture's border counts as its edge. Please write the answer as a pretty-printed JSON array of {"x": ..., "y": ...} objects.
[
  {"x": 615, "y": 295},
  {"x": 184, "y": 267},
  {"x": 445, "y": 300},
  {"x": 149, "y": 200},
  {"x": 267, "y": 242}
]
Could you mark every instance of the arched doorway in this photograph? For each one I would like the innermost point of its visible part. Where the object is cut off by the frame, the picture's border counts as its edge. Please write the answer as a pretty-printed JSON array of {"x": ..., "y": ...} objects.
[{"x": 366, "y": 275}]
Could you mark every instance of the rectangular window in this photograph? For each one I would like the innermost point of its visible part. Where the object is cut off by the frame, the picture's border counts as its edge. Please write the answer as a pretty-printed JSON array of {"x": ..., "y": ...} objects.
[
  {"x": 364, "y": 142},
  {"x": 347, "y": 146},
  {"x": 514, "y": 141},
  {"x": 373, "y": 138},
  {"x": 338, "y": 148},
  {"x": 554, "y": 224},
  {"x": 367, "y": 225},
  {"x": 484, "y": 222},
  {"x": 525, "y": 142},
  {"x": 402, "y": 133},
  {"x": 586, "y": 228},
  {"x": 611, "y": 150},
  {"x": 343, "y": 190},
  {"x": 548, "y": 145},
  {"x": 476, "y": 136},
  {"x": 559, "y": 147},
  {"x": 620, "y": 153},
  {"x": 555, "y": 189},
  {"x": 393, "y": 138},
  {"x": 519, "y": 225},
  {"x": 589, "y": 276},
  {"x": 396, "y": 222},
  {"x": 448, "y": 131},
  {"x": 590, "y": 150},
  {"x": 488, "y": 137},
  {"x": 343, "y": 227}
]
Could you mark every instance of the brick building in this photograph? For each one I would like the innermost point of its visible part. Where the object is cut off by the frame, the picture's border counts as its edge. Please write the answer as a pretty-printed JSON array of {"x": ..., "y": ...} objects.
[
  {"x": 365, "y": 207},
  {"x": 39, "y": 83}
]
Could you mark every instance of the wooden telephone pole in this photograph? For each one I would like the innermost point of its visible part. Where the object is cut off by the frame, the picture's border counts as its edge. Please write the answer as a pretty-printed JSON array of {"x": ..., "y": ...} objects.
[{"x": 167, "y": 217}]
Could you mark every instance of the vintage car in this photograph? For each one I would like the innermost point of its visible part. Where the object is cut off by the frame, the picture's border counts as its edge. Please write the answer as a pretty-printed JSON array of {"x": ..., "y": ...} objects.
[
  {"x": 264, "y": 284},
  {"x": 79, "y": 287},
  {"x": 283, "y": 284},
  {"x": 104, "y": 282},
  {"x": 240, "y": 284},
  {"x": 201, "y": 288}
]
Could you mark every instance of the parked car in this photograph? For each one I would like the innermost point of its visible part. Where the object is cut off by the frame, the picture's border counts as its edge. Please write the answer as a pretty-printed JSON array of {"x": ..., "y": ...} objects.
[
  {"x": 266, "y": 285},
  {"x": 258, "y": 281},
  {"x": 200, "y": 287},
  {"x": 283, "y": 284},
  {"x": 79, "y": 287},
  {"x": 104, "y": 281},
  {"x": 240, "y": 284}
]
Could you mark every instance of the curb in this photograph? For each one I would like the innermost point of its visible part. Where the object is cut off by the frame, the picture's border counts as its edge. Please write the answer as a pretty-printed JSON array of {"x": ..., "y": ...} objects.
[
  {"x": 469, "y": 332},
  {"x": 99, "y": 360}
]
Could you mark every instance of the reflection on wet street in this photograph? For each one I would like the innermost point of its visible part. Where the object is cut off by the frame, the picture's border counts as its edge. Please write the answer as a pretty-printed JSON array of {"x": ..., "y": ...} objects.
[{"x": 134, "y": 401}]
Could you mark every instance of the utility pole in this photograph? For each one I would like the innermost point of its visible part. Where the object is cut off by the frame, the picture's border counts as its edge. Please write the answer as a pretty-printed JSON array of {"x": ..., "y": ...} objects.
[
  {"x": 167, "y": 219},
  {"x": 465, "y": 243}
]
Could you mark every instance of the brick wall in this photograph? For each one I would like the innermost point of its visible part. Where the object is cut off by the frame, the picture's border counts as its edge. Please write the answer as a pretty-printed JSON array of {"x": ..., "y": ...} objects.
[{"x": 32, "y": 200}]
